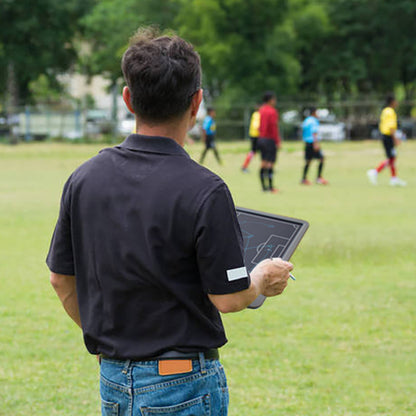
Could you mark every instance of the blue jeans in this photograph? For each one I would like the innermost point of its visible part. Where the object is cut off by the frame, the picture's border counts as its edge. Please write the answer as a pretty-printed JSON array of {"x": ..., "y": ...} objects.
[{"x": 135, "y": 388}]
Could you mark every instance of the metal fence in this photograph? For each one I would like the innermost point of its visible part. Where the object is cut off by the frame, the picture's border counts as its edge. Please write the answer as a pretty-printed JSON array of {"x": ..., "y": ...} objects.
[
  {"x": 30, "y": 123},
  {"x": 351, "y": 120}
]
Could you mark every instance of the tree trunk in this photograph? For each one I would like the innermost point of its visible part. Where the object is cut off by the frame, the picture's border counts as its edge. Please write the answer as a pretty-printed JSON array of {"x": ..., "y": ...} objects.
[{"x": 12, "y": 94}]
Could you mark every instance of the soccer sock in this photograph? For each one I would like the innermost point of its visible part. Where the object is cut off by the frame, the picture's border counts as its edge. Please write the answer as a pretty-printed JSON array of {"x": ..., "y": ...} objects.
[
  {"x": 305, "y": 171},
  {"x": 320, "y": 167},
  {"x": 217, "y": 155},
  {"x": 248, "y": 159},
  {"x": 201, "y": 160},
  {"x": 263, "y": 178},
  {"x": 382, "y": 165},
  {"x": 270, "y": 175},
  {"x": 392, "y": 166}
]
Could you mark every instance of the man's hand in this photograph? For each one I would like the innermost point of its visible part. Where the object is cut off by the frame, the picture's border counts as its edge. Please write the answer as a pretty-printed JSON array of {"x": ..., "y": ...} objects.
[
  {"x": 268, "y": 278},
  {"x": 316, "y": 146},
  {"x": 272, "y": 275}
]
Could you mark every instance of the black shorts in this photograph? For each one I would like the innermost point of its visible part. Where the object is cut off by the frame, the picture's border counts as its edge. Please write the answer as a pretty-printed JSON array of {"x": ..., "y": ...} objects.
[
  {"x": 311, "y": 153},
  {"x": 268, "y": 149},
  {"x": 388, "y": 144},
  {"x": 210, "y": 141},
  {"x": 254, "y": 145}
]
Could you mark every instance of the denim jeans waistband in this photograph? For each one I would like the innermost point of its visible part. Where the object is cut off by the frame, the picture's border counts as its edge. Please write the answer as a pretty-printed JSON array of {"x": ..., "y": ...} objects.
[{"x": 211, "y": 354}]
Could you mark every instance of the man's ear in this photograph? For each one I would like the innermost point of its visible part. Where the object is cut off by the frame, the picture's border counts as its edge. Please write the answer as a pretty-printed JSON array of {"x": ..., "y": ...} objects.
[
  {"x": 196, "y": 102},
  {"x": 127, "y": 99},
  {"x": 194, "y": 107}
]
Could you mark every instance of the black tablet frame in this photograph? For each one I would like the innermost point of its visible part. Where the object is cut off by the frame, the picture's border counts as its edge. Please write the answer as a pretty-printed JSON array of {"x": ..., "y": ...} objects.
[{"x": 289, "y": 250}]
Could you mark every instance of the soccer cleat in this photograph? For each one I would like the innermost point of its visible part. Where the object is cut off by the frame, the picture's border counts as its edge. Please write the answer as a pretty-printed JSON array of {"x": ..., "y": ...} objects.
[
  {"x": 244, "y": 170},
  {"x": 395, "y": 181},
  {"x": 273, "y": 190},
  {"x": 322, "y": 181},
  {"x": 305, "y": 182},
  {"x": 372, "y": 176}
]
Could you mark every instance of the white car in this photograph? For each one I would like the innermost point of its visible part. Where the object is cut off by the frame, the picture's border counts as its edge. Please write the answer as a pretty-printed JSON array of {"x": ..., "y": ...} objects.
[
  {"x": 333, "y": 131},
  {"x": 127, "y": 125}
]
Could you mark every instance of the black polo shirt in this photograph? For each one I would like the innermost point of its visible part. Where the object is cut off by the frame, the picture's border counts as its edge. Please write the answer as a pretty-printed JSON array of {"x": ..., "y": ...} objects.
[{"x": 148, "y": 233}]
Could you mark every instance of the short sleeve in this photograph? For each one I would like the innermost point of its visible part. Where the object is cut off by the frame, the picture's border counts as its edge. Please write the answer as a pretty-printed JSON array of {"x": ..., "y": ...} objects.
[
  {"x": 219, "y": 245},
  {"x": 256, "y": 120},
  {"x": 60, "y": 258}
]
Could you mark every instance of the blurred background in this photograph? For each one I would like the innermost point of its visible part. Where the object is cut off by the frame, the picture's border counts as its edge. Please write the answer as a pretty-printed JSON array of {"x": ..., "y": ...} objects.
[{"x": 60, "y": 76}]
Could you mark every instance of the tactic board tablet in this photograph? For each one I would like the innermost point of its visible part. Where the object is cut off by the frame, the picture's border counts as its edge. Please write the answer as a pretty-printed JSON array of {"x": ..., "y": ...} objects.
[{"x": 266, "y": 236}]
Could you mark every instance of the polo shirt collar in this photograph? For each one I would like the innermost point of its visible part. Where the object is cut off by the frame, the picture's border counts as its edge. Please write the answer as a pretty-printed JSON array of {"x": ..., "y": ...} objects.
[{"x": 153, "y": 144}]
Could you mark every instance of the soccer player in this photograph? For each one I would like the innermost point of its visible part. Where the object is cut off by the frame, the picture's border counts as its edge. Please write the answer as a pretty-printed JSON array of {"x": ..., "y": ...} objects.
[
  {"x": 208, "y": 135},
  {"x": 269, "y": 140},
  {"x": 310, "y": 136},
  {"x": 388, "y": 130},
  {"x": 254, "y": 135}
]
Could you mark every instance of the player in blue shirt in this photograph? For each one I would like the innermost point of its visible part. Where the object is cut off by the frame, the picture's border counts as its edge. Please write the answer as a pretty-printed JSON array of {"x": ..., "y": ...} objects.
[
  {"x": 208, "y": 135},
  {"x": 310, "y": 135}
]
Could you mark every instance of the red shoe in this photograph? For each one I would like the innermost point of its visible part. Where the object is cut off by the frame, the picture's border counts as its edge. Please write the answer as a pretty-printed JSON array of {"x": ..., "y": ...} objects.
[
  {"x": 273, "y": 190},
  {"x": 322, "y": 181},
  {"x": 305, "y": 182}
]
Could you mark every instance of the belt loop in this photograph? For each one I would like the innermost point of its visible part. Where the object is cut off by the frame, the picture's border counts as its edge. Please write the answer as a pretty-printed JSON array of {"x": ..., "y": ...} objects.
[
  {"x": 126, "y": 367},
  {"x": 202, "y": 362}
]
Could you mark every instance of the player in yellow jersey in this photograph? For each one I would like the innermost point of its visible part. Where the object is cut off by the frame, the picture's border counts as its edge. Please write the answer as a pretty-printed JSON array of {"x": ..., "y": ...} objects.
[
  {"x": 254, "y": 135},
  {"x": 388, "y": 130}
]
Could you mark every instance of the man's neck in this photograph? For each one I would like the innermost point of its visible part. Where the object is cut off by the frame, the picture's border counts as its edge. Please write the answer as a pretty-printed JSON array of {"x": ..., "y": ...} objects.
[{"x": 174, "y": 130}]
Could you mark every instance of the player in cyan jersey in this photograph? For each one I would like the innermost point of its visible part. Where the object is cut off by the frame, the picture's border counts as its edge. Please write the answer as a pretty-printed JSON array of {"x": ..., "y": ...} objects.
[
  {"x": 310, "y": 136},
  {"x": 209, "y": 128}
]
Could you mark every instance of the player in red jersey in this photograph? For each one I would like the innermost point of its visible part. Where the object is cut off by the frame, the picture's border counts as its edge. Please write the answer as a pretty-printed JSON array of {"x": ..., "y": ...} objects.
[{"x": 269, "y": 140}]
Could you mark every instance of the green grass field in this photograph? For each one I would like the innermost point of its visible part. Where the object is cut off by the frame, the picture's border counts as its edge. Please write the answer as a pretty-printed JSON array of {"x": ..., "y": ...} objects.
[{"x": 341, "y": 340}]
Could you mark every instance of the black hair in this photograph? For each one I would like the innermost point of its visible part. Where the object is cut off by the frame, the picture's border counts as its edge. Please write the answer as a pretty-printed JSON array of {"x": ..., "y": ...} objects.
[
  {"x": 268, "y": 95},
  {"x": 163, "y": 74},
  {"x": 389, "y": 100}
]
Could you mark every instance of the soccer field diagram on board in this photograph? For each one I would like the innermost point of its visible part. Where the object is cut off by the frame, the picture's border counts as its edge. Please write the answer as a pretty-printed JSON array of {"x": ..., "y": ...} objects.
[{"x": 266, "y": 236}]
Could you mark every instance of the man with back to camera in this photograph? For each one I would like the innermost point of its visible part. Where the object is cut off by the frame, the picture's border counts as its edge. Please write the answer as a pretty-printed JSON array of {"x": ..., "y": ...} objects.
[
  {"x": 310, "y": 135},
  {"x": 388, "y": 130},
  {"x": 269, "y": 140},
  {"x": 147, "y": 249}
]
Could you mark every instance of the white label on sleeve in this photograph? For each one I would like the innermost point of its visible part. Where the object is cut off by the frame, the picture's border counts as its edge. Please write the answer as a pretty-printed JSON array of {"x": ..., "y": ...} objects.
[{"x": 235, "y": 274}]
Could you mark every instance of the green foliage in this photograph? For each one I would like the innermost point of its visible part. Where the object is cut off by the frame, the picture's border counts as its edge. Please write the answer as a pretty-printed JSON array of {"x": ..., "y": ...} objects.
[
  {"x": 107, "y": 29},
  {"x": 312, "y": 27},
  {"x": 109, "y": 26},
  {"x": 245, "y": 45},
  {"x": 305, "y": 48},
  {"x": 37, "y": 38},
  {"x": 370, "y": 46},
  {"x": 45, "y": 91}
]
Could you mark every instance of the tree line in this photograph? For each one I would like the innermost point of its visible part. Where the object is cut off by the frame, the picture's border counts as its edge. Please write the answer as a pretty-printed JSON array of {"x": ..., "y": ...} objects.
[{"x": 327, "y": 49}]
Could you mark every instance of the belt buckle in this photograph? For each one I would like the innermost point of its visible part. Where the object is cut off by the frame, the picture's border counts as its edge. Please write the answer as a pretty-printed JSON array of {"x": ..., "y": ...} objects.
[{"x": 170, "y": 367}]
